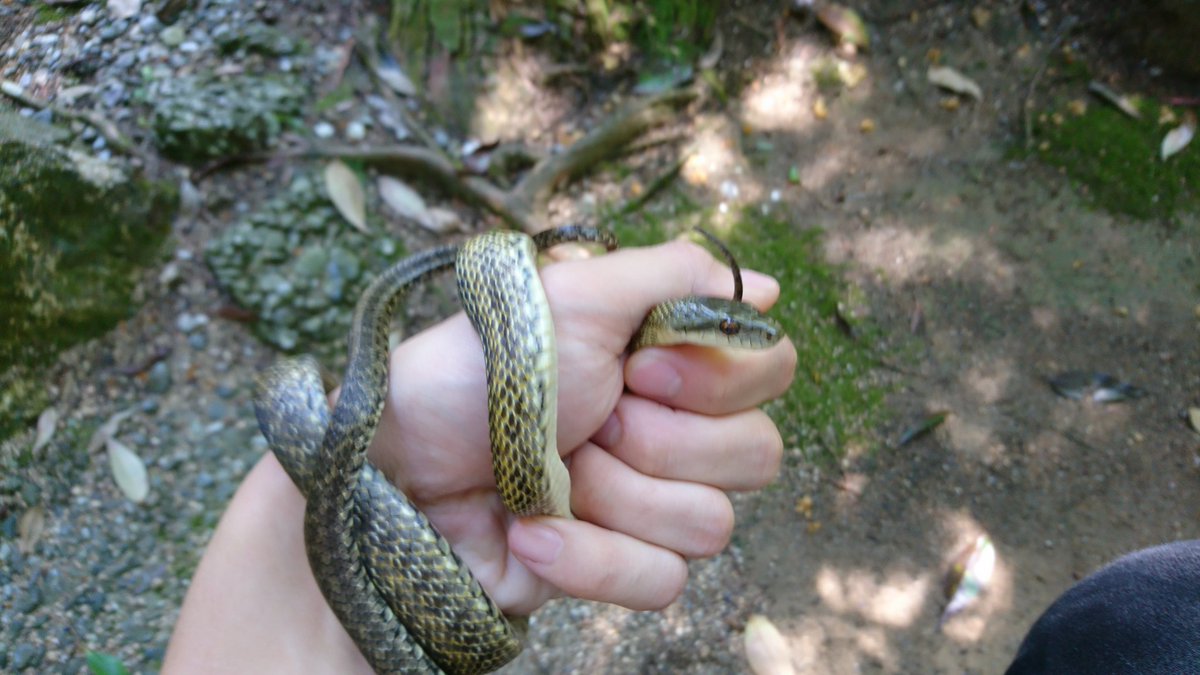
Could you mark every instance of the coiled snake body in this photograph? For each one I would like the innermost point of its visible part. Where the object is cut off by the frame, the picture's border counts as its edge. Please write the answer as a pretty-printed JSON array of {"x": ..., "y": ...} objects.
[{"x": 405, "y": 598}]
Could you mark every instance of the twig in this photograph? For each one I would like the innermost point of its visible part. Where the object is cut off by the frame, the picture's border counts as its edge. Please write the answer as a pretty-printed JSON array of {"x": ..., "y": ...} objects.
[
  {"x": 605, "y": 141},
  {"x": 519, "y": 207},
  {"x": 407, "y": 160},
  {"x": 649, "y": 193},
  {"x": 112, "y": 135}
]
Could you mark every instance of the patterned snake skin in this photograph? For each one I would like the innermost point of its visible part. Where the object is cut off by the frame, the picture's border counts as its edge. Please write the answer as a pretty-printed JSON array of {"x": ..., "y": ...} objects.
[{"x": 402, "y": 594}]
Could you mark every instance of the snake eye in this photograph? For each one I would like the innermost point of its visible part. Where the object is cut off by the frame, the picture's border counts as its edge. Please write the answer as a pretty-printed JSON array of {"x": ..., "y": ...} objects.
[{"x": 729, "y": 326}]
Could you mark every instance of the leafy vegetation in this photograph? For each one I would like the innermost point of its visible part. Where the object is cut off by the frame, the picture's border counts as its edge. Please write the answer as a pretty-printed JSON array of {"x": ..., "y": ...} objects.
[{"x": 833, "y": 402}]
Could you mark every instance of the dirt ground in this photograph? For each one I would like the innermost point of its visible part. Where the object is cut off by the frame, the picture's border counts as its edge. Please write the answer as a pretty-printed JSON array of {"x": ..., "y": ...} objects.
[
  {"x": 985, "y": 273},
  {"x": 999, "y": 274}
]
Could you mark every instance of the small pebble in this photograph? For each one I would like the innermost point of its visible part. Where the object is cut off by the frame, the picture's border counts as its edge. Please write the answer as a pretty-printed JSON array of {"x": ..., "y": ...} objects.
[
  {"x": 217, "y": 410},
  {"x": 355, "y": 131},
  {"x": 158, "y": 380},
  {"x": 198, "y": 340},
  {"x": 323, "y": 130},
  {"x": 172, "y": 36},
  {"x": 27, "y": 656}
]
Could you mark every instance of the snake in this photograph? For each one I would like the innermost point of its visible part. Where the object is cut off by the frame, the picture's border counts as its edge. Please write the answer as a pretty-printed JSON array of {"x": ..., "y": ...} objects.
[{"x": 405, "y": 598}]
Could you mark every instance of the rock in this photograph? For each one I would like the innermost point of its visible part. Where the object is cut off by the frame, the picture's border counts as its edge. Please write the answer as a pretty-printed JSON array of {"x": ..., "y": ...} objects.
[
  {"x": 172, "y": 36},
  {"x": 323, "y": 130},
  {"x": 78, "y": 232},
  {"x": 198, "y": 341},
  {"x": 254, "y": 38},
  {"x": 27, "y": 656},
  {"x": 356, "y": 131},
  {"x": 30, "y": 601},
  {"x": 158, "y": 380},
  {"x": 197, "y": 118},
  {"x": 294, "y": 263}
]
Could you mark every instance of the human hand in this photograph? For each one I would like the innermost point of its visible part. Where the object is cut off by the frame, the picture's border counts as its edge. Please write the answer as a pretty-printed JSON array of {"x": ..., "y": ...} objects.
[{"x": 651, "y": 441}]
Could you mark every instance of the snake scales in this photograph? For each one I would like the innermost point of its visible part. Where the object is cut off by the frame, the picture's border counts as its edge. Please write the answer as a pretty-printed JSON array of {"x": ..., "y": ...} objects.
[{"x": 405, "y": 598}]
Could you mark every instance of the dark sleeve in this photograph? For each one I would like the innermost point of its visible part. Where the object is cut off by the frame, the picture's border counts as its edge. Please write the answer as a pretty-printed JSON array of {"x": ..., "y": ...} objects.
[{"x": 1140, "y": 614}]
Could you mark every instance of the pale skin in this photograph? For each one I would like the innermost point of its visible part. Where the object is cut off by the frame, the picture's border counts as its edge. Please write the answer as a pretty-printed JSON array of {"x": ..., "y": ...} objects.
[{"x": 653, "y": 442}]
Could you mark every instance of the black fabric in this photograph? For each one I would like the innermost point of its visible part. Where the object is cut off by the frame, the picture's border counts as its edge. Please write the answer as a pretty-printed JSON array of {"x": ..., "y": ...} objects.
[{"x": 1140, "y": 614}]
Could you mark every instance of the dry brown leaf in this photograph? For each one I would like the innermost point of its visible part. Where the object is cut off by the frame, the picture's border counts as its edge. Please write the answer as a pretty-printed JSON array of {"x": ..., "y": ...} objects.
[
  {"x": 347, "y": 194},
  {"x": 30, "y": 527},
  {"x": 128, "y": 470},
  {"x": 766, "y": 649}
]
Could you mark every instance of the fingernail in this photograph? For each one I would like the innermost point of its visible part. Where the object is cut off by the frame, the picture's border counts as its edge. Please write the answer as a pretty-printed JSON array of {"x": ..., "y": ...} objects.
[
  {"x": 651, "y": 375},
  {"x": 535, "y": 543},
  {"x": 609, "y": 434}
]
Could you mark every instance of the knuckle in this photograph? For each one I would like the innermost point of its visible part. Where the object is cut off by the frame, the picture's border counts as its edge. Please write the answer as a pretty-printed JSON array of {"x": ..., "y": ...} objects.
[{"x": 714, "y": 530}]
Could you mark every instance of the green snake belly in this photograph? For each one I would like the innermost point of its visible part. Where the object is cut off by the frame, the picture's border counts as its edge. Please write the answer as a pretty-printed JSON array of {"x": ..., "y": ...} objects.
[{"x": 404, "y": 597}]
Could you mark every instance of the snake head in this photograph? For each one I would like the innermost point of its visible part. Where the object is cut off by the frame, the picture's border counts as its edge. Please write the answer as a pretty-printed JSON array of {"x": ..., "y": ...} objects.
[{"x": 710, "y": 322}]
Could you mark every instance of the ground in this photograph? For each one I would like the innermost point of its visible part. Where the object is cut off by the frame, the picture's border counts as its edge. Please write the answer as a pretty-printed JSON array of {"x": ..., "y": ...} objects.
[{"x": 981, "y": 270}]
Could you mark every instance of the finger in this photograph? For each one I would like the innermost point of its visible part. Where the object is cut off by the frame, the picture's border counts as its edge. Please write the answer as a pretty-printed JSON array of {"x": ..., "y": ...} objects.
[
  {"x": 739, "y": 451},
  {"x": 711, "y": 381},
  {"x": 590, "y": 562},
  {"x": 691, "y": 519},
  {"x": 631, "y": 281}
]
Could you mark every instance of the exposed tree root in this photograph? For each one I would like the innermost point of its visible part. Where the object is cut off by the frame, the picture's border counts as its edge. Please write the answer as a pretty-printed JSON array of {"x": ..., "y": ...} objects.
[{"x": 522, "y": 206}]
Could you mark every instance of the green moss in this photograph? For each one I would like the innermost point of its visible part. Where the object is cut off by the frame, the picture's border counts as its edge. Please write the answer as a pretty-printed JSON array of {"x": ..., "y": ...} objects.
[
  {"x": 1115, "y": 160},
  {"x": 199, "y": 118},
  {"x": 48, "y": 13},
  {"x": 75, "y": 234},
  {"x": 833, "y": 402}
]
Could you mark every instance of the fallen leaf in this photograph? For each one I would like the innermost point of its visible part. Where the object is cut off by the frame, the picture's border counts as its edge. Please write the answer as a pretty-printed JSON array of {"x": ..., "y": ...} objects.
[
  {"x": 404, "y": 201},
  {"x": 128, "y": 470},
  {"x": 845, "y": 24},
  {"x": 926, "y": 425},
  {"x": 105, "y": 664},
  {"x": 445, "y": 220},
  {"x": 1178, "y": 138},
  {"x": 820, "y": 109},
  {"x": 107, "y": 430},
  {"x": 766, "y": 649},
  {"x": 124, "y": 9},
  {"x": 949, "y": 78},
  {"x": 970, "y": 576},
  {"x": 46, "y": 424},
  {"x": 29, "y": 528},
  {"x": 1122, "y": 103},
  {"x": 347, "y": 194}
]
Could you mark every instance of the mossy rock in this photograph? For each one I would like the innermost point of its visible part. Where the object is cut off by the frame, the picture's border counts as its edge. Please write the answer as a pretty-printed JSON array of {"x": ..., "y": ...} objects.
[
  {"x": 75, "y": 232},
  {"x": 200, "y": 118},
  {"x": 300, "y": 267}
]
